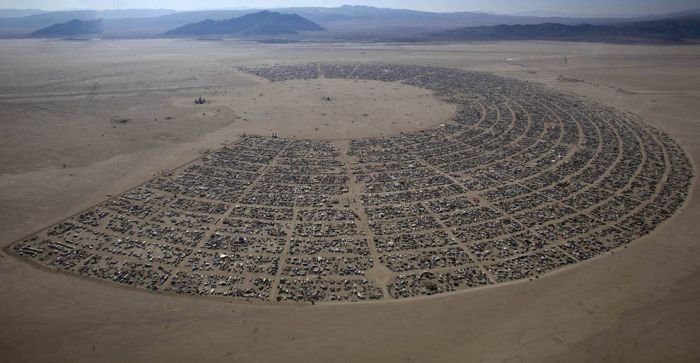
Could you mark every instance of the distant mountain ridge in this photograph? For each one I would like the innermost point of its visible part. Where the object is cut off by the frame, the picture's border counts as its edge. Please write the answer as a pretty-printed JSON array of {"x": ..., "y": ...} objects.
[
  {"x": 261, "y": 23},
  {"x": 356, "y": 19},
  {"x": 73, "y": 27},
  {"x": 346, "y": 23},
  {"x": 16, "y": 13},
  {"x": 667, "y": 30}
]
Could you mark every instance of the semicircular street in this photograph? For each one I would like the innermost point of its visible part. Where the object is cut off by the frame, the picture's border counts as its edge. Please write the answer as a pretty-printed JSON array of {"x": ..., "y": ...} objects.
[{"x": 522, "y": 180}]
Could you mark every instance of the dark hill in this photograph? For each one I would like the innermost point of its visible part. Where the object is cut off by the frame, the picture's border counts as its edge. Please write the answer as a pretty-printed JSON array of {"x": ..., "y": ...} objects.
[
  {"x": 261, "y": 23},
  {"x": 667, "y": 30},
  {"x": 73, "y": 27}
]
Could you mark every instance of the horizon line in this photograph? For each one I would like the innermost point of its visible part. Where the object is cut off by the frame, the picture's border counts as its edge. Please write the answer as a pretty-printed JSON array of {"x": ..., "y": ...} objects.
[{"x": 531, "y": 13}]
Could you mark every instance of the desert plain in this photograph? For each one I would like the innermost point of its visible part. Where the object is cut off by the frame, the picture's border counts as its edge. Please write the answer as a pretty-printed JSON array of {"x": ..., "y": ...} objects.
[{"x": 63, "y": 150}]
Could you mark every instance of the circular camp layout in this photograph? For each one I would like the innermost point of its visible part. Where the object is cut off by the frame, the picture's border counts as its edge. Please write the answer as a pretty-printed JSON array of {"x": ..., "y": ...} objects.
[{"x": 520, "y": 181}]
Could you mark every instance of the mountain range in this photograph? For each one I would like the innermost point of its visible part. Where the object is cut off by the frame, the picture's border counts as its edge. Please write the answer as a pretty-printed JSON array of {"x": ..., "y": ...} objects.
[
  {"x": 351, "y": 19},
  {"x": 676, "y": 30},
  {"x": 15, "y": 13},
  {"x": 341, "y": 23},
  {"x": 261, "y": 23},
  {"x": 73, "y": 27}
]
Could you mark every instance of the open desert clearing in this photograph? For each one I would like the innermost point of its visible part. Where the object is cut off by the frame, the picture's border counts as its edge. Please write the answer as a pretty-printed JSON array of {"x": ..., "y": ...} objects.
[{"x": 61, "y": 154}]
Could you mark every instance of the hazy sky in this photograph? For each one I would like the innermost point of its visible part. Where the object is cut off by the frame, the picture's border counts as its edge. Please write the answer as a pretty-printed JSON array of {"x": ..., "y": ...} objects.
[{"x": 573, "y": 7}]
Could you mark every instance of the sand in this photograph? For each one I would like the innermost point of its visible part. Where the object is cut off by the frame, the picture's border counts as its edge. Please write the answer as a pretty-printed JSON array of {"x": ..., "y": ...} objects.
[{"x": 56, "y": 102}]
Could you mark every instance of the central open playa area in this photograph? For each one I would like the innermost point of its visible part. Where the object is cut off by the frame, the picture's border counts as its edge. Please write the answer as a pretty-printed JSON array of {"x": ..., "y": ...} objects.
[{"x": 103, "y": 117}]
